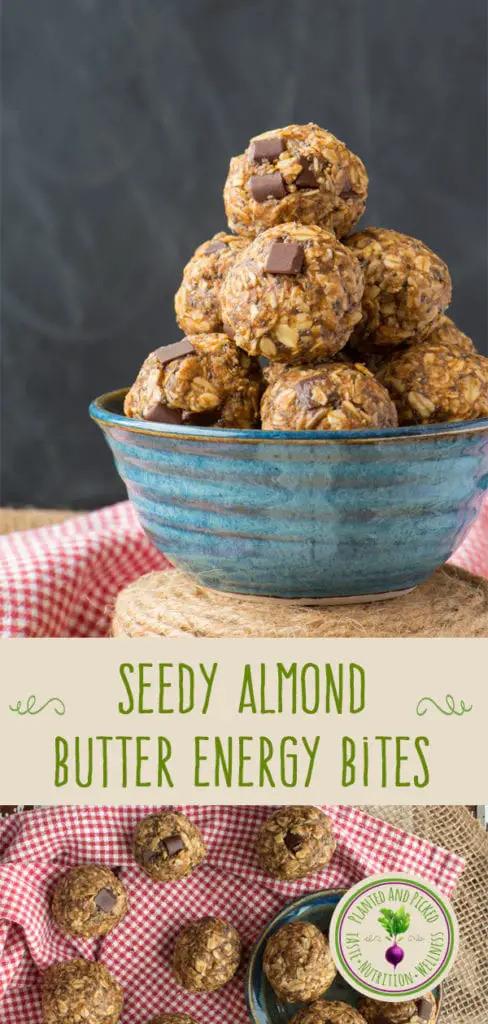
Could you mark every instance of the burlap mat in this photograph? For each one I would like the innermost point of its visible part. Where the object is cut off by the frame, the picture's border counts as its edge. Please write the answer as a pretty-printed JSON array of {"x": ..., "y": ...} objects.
[
  {"x": 466, "y": 988},
  {"x": 452, "y": 603},
  {"x": 12, "y": 519}
]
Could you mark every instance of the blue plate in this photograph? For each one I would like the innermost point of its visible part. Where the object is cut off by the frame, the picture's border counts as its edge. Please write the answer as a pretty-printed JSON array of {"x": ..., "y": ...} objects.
[{"x": 263, "y": 1005}]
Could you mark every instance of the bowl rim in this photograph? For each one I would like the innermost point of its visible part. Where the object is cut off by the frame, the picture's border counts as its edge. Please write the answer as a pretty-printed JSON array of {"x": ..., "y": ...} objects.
[
  {"x": 294, "y": 905},
  {"x": 107, "y": 420}
]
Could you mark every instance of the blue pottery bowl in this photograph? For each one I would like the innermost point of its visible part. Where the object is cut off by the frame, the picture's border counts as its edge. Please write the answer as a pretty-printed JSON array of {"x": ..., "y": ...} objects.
[
  {"x": 323, "y": 515},
  {"x": 263, "y": 1005}
]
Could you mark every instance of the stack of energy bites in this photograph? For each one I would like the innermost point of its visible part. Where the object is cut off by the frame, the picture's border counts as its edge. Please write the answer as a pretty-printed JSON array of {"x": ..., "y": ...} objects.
[
  {"x": 293, "y": 843},
  {"x": 294, "y": 323}
]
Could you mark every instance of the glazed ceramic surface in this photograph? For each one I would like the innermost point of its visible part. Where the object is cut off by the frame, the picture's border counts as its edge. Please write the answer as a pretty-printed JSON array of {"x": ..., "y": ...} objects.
[
  {"x": 301, "y": 514},
  {"x": 263, "y": 1005}
]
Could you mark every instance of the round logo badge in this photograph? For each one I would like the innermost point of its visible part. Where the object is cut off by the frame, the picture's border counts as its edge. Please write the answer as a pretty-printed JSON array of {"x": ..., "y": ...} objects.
[{"x": 393, "y": 937}]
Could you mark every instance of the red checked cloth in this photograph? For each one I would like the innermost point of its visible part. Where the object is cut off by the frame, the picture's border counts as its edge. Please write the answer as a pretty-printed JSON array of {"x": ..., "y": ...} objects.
[
  {"x": 63, "y": 580},
  {"x": 38, "y": 846}
]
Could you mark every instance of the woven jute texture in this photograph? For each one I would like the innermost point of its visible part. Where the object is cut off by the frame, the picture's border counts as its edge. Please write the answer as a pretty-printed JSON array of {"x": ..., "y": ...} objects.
[
  {"x": 452, "y": 603},
  {"x": 12, "y": 519},
  {"x": 466, "y": 987}
]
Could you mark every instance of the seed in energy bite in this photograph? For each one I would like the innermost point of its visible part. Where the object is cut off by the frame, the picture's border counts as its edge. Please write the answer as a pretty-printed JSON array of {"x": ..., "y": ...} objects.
[
  {"x": 285, "y": 258},
  {"x": 267, "y": 186},
  {"x": 266, "y": 149}
]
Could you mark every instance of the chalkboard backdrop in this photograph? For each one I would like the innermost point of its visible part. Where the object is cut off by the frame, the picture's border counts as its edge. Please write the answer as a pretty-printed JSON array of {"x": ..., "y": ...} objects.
[{"x": 119, "y": 121}]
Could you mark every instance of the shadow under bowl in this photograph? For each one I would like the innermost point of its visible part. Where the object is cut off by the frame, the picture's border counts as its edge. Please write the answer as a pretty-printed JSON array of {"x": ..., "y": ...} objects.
[
  {"x": 322, "y": 516},
  {"x": 263, "y": 1005}
]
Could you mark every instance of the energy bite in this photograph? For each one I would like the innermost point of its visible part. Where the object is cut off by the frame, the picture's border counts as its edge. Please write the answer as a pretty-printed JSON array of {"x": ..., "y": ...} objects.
[
  {"x": 80, "y": 991},
  {"x": 328, "y": 1013},
  {"x": 416, "y": 1011},
  {"x": 297, "y": 963},
  {"x": 197, "y": 301},
  {"x": 301, "y": 173},
  {"x": 295, "y": 842},
  {"x": 168, "y": 846},
  {"x": 434, "y": 383},
  {"x": 206, "y": 955},
  {"x": 334, "y": 396},
  {"x": 173, "y": 1018},
  {"x": 203, "y": 380},
  {"x": 293, "y": 295},
  {"x": 444, "y": 332},
  {"x": 89, "y": 901},
  {"x": 406, "y": 287}
]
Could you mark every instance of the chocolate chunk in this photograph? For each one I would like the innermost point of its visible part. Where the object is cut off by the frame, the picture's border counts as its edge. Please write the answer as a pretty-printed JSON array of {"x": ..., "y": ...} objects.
[
  {"x": 285, "y": 258},
  {"x": 150, "y": 856},
  {"x": 266, "y": 149},
  {"x": 267, "y": 186},
  {"x": 306, "y": 178},
  {"x": 201, "y": 419},
  {"x": 105, "y": 900},
  {"x": 173, "y": 845},
  {"x": 424, "y": 1009},
  {"x": 167, "y": 353},
  {"x": 293, "y": 842},
  {"x": 348, "y": 193},
  {"x": 159, "y": 413},
  {"x": 215, "y": 247}
]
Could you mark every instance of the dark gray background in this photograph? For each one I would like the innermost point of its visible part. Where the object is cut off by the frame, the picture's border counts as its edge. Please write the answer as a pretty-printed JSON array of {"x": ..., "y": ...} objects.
[{"x": 119, "y": 120}]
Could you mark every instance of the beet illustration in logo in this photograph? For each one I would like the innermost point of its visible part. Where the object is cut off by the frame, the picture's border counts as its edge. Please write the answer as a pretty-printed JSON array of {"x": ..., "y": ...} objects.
[{"x": 395, "y": 923}]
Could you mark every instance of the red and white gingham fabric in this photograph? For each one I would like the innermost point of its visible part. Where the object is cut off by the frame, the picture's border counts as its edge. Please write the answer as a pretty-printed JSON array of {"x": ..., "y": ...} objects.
[
  {"x": 63, "y": 580},
  {"x": 38, "y": 846}
]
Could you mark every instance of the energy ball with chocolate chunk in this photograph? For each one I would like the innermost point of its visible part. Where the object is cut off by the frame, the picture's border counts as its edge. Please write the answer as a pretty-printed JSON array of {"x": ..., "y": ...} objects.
[
  {"x": 168, "y": 846},
  {"x": 206, "y": 955},
  {"x": 334, "y": 396},
  {"x": 416, "y": 1011},
  {"x": 80, "y": 992},
  {"x": 89, "y": 901},
  {"x": 301, "y": 173},
  {"x": 433, "y": 383},
  {"x": 197, "y": 301},
  {"x": 211, "y": 383},
  {"x": 297, "y": 963},
  {"x": 293, "y": 295},
  {"x": 173, "y": 1018},
  {"x": 444, "y": 332},
  {"x": 294, "y": 842},
  {"x": 406, "y": 287},
  {"x": 328, "y": 1013}
]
